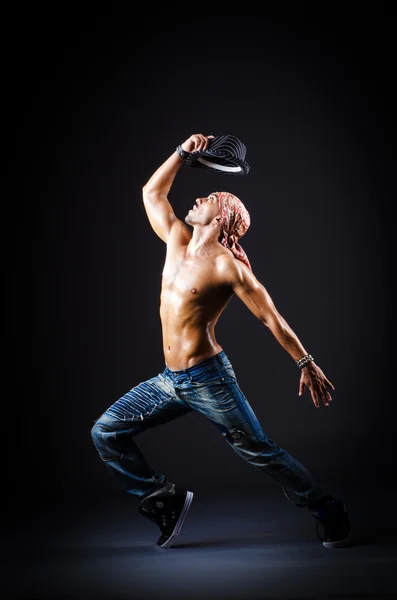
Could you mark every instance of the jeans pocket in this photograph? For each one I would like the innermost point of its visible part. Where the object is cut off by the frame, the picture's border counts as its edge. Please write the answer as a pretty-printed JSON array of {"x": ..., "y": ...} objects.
[{"x": 230, "y": 373}]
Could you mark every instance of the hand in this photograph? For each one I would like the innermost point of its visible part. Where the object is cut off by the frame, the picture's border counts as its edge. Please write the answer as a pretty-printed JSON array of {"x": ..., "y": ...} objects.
[
  {"x": 196, "y": 142},
  {"x": 313, "y": 378}
]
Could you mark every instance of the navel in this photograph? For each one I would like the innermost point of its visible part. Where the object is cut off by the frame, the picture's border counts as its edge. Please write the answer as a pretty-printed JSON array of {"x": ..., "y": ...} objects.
[{"x": 194, "y": 290}]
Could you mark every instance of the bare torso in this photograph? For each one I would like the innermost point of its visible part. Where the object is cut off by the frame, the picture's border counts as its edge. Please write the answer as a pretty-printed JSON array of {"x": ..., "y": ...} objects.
[{"x": 193, "y": 297}]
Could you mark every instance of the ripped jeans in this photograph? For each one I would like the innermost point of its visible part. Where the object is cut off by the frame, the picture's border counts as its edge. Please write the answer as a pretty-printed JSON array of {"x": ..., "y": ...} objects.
[{"x": 210, "y": 388}]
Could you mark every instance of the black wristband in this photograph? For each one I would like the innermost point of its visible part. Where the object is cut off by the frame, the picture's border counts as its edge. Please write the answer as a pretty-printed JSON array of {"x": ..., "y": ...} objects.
[{"x": 182, "y": 153}]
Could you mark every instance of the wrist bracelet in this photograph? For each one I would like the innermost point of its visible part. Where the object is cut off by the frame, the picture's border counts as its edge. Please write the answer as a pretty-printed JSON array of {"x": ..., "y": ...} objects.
[
  {"x": 302, "y": 362},
  {"x": 182, "y": 153}
]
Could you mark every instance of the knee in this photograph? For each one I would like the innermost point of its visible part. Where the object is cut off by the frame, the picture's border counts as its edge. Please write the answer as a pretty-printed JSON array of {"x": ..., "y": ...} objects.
[
  {"x": 96, "y": 432},
  {"x": 104, "y": 440},
  {"x": 104, "y": 426},
  {"x": 245, "y": 442}
]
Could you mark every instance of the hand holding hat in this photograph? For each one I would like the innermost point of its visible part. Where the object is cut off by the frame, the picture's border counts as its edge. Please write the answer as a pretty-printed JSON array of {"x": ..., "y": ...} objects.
[
  {"x": 225, "y": 153},
  {"x": 196, "y": 143}
]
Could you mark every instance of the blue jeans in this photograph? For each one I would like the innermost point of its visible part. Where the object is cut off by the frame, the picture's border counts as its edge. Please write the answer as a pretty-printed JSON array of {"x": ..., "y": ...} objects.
[{"x": 210, "y": 388}]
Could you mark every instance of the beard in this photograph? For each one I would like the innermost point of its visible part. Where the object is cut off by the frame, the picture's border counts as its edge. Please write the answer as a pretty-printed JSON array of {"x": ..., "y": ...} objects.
[{"x": 189, "y": 217}]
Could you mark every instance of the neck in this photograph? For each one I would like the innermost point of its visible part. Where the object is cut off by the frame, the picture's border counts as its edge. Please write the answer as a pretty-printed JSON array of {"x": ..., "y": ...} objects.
[{"x": 203, "y": 241}]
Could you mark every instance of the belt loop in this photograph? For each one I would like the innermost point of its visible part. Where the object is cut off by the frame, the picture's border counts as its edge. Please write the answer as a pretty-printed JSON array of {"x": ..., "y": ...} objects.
[{"x": 219, "y": 359}]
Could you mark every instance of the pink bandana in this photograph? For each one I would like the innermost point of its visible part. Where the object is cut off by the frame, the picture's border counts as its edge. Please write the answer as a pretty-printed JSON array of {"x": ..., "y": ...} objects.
[{"x": 236, "y": 220}]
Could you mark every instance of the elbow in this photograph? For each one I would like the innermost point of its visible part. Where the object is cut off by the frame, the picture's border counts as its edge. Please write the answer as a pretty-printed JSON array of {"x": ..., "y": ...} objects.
[
  {"x": 151, "y": 193},
  {"x": 148, "y": 194},
  {"x": 145, "y": 190}
]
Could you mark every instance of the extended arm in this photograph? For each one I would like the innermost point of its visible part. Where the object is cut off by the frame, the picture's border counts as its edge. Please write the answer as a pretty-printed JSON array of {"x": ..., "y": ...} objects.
[
  {"x": 257, "y": 299},
  {"x": 155, "y": 192}
]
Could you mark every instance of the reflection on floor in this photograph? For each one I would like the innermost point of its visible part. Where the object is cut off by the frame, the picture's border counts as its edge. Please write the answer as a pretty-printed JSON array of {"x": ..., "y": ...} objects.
[{"x": 251, "y": 544}]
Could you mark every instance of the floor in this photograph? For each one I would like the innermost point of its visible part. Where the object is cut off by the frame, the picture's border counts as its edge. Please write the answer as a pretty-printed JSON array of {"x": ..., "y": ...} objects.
[{"x": 247, "y": 545}]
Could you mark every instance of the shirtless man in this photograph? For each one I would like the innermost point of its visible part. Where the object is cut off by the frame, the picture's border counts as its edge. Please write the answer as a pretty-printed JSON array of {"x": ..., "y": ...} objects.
[{"x": 204, "y": 267}]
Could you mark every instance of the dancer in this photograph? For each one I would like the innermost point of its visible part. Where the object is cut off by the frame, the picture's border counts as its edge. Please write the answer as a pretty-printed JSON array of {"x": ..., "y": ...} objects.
[{"x": 204, "y": 267}]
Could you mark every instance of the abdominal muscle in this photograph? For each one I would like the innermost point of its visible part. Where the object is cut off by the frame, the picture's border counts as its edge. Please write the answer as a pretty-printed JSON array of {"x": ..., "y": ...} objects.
[
  {"x": 188, "y": 326},
  {"x": 192, "y": 300}
]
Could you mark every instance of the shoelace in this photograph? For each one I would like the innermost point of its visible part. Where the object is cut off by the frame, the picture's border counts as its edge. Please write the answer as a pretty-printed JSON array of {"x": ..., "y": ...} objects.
[{"x": 164, "y": 518}]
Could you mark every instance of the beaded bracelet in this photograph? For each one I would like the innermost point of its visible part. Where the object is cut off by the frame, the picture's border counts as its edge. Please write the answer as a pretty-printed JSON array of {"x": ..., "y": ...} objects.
[{"x": 302, "y": 362}]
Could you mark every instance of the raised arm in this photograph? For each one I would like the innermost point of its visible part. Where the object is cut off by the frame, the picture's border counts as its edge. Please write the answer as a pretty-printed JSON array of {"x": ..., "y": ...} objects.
[
  {"x": 155, "y": 192},
  {"x": 258, "y": 300}
]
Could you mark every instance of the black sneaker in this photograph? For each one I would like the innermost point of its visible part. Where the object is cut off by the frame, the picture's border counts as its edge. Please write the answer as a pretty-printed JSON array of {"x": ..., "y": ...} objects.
[
  {"x": 168, "y": 512},
  {"x": 335, "y": 521}
]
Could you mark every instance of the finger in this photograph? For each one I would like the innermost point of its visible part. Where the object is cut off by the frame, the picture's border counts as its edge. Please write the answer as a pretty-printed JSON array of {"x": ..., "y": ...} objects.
[
  {"x": 327, "y": 381},
  {"x": 207, "y": 141},
  {"x": 198, "y": 140},
  {"x": 196, "y": 143},
  {"x": 315, "y": 400},
  {"x": 301, "y": 388},
  {"x": 202, "y": 143},
  {"x": 195, "y": 140},
  {"x": 326, "y": 398}
]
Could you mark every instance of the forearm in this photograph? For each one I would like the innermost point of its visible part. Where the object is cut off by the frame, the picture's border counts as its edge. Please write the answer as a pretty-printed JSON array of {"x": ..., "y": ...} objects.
[
  {"x": 162, "y": 179},
  {"x": 286, "y": 337}
]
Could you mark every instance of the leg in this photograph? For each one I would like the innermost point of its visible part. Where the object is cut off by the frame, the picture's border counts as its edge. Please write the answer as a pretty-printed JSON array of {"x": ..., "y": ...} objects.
[
  {"x": 250, "y": 443},
  {"x": 150, "y": 403},
  {"x": 212, "y": 389}
]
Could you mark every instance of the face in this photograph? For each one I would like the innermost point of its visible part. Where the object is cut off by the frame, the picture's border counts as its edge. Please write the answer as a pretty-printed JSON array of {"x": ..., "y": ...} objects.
[{"x": 204, "y": 211}]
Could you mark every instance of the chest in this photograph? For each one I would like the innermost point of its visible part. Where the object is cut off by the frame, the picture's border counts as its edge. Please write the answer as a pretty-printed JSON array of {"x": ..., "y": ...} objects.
[{"x": 187, "y": 275}]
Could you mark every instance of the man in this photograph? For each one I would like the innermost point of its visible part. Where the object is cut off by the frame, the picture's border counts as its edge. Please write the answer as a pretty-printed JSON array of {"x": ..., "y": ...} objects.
[{"x": 204, "y": 267}]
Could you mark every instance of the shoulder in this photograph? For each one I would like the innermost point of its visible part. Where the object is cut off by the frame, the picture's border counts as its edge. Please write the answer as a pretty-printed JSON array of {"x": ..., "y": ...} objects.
[{"x": 232, "y": 271}]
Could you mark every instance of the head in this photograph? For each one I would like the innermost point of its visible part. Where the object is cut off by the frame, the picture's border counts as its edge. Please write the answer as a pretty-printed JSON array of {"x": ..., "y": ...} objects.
[
  {"x": 204, "y": 212},
  {"x": 227, "y": 215}
]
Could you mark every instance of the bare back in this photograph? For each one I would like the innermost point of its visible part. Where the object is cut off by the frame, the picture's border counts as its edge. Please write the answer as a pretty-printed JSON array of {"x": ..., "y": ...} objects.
[{"x": 193, "y": 296}]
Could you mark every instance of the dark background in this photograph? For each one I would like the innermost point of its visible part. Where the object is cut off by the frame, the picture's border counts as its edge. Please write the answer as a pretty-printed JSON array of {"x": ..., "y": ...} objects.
[{"x": 102, "y": 102}]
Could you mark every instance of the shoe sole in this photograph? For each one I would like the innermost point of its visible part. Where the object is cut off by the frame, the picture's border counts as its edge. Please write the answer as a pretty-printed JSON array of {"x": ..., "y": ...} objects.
[
  {"x": 179, "y": 523},
  {"x": 339, "y": 544}
]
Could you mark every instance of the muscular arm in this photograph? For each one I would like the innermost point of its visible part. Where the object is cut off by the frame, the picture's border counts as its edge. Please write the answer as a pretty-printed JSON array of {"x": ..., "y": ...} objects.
[
  {"x": 155, "y": 198},
  {"x": 257, "y": 299},
  {"x": 155, "y": 193}
]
